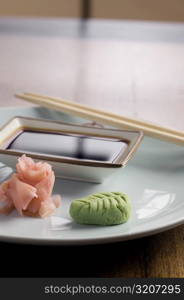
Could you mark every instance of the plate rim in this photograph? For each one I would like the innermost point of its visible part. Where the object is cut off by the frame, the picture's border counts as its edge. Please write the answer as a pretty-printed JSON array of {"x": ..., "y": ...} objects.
[{"x": 91, "y": 241}]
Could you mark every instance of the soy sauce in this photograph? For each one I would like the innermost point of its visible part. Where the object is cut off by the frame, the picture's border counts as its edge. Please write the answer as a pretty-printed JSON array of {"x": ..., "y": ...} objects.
[{"x": 68, "y": 145}]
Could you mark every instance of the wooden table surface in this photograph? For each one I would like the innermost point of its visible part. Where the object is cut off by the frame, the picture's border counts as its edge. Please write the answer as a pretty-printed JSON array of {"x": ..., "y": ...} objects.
[{"x": 133, "y": 68}]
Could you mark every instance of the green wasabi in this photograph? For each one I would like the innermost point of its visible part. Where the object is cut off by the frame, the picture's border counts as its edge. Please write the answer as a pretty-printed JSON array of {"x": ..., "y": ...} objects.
[{"x": 111, "y": 208}]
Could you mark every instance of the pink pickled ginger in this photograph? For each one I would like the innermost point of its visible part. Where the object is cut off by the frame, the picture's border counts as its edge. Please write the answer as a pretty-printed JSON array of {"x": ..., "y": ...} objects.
[{"x": 29, "y": 190}]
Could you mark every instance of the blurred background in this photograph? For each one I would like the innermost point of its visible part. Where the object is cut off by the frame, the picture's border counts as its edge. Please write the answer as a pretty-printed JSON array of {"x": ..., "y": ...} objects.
[
  {"x": 136, "y": 65},
  {"x": 159, "y": 10}
]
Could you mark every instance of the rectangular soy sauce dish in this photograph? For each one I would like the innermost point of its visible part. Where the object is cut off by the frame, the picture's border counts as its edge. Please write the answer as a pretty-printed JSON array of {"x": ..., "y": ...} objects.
[{"x": 76, "y": 152}]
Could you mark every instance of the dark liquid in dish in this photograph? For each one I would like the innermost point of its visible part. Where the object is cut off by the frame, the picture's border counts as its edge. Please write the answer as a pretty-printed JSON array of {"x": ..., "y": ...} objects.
[{"x": 68, "y": 145}]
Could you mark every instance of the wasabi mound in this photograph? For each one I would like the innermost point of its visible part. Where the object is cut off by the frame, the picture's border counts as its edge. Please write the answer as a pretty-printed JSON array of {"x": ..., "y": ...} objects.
[{"x": 110, "y": 208}]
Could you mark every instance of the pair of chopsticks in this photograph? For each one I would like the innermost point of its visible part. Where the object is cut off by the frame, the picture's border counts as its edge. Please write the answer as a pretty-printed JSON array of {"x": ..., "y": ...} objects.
[{"x": 105, "y": 117}]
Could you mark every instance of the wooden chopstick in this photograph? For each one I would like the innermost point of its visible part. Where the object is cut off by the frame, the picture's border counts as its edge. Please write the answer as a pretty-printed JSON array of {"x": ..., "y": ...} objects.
[
  {"x": 104, "y": 117},
  {"x": 112, "y": 115}
]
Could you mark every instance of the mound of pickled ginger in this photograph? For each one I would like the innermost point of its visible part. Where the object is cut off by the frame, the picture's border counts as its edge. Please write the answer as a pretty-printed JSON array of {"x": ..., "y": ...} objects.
[{"x": 29, "y": 190}]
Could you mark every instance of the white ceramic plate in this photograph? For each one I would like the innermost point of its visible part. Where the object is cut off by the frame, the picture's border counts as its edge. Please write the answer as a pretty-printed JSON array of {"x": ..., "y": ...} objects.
[{"x": 154, "y": 181}]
